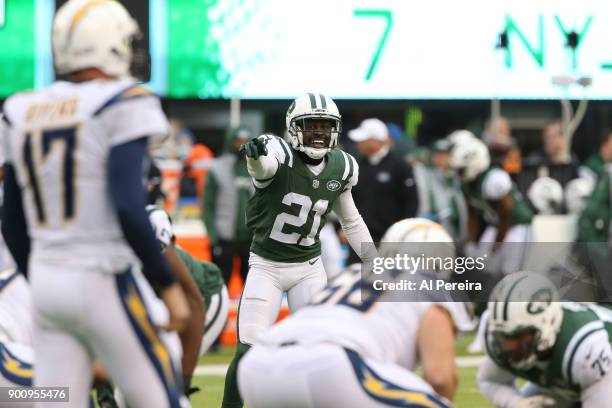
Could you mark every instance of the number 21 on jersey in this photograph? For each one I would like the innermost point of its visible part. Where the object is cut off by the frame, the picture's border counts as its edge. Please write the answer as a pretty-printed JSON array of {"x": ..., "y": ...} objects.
[
  {"x": 38, "y": 146},
  {"x": 305, "y": 204}
]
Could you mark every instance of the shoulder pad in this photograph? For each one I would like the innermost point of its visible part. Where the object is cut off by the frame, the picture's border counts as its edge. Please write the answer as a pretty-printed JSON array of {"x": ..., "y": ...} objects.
[
  {"x": 590, "y": 359},
  {"x": 133, "y": 91},
  {"x": 496, "y": 184},
  {"x": 350, "y": 175}
]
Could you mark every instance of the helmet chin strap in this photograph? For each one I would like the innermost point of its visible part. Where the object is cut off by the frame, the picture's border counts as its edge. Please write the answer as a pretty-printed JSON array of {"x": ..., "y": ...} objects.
[{"x": 309, "y": 160}]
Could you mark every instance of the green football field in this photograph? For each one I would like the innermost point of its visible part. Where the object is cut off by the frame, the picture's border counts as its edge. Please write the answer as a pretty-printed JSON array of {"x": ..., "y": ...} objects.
[{"x": 212, "y": 385}]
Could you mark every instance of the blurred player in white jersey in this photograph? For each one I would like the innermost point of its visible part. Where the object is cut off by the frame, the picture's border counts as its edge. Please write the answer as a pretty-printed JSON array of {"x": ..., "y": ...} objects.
[
  {"x": 75, "y": 212},
  {"x": 6, "y": 261},
  {"x": 16, "y": 354},
  {"x": 351, "y": 348}
]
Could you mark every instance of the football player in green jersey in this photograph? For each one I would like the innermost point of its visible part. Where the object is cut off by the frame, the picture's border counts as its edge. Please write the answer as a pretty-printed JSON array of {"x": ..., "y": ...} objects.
[
  {"x": 297, "y": 185},
  {"x": 492, "y": 196},
  {"x": 561, "y": 348},
  {"x": 206, "y": 275}
]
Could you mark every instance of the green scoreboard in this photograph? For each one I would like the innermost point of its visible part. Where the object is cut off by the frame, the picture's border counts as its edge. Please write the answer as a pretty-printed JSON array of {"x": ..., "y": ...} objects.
[
  {"x": 354, "y": 49},
  {"x": 17, "y": 45}
]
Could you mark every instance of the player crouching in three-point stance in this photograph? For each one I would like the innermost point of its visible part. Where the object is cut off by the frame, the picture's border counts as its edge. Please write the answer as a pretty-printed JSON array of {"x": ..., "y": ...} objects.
[
  {"x": 297, "y": 186},
  {"x": 561, "y": 349},
  {"x": 75, "y": 214},
  {"x": 358, "y": 347}
]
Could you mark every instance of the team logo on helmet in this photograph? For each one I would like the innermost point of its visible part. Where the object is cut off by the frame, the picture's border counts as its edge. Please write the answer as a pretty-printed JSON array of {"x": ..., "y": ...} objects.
[{"x": 539, "y": 301}]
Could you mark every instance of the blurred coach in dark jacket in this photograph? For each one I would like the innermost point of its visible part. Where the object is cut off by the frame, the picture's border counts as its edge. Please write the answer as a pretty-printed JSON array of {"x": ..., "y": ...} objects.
[{"x": 386, "y": 191}]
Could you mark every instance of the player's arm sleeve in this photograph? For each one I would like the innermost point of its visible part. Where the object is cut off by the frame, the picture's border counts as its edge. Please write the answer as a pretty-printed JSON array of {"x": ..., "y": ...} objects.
[
  {"x": 497, "y": 385},
  {"x": 127, "y": 194},
  {"x": 590, "y": 367},
  {"x": 354, "y": 227},
  {"x": 265, "y": 167},
  {"x": 598, "y": 394},
  {"x": 210, "y": 206},
  {"x": 14, "y": 227},
  {"x": 497, "y": 185}
]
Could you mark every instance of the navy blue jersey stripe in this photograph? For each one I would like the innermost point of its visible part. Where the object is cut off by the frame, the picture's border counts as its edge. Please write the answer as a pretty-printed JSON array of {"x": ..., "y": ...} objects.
[{"x": 148, "y": 336}]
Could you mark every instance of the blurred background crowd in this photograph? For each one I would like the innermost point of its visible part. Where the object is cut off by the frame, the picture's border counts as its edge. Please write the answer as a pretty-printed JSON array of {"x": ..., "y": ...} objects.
[{"x": 401, "y": 175}]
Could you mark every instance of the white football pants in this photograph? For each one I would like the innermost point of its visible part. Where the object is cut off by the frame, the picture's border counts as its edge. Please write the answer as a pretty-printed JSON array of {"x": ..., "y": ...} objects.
[
  {"x": 83, "y": 315},
  {"x": 512, "y": 254},
  {"x": 328, "y": 376},
  {"x": 216, "y": 317},
  {"x": 263, "y": 292}
]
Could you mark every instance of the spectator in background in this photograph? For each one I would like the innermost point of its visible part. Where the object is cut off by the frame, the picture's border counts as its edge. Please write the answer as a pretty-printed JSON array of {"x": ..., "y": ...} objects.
[
  {"x": 196, "y": 159},
  {"x": 555, "y": 149},
  {"x": 386, "y": 191},
  {"x": 402, "y": 144},
  {"x": 440, "y": 196},
  {"x": 228, "y": 189},
  {"x": 504, "y": 149},
  {"x": 595, "y": 164},
  {"x": 498, "y": 132}
]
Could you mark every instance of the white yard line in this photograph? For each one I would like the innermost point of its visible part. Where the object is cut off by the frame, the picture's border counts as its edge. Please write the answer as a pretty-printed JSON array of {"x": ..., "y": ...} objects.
[{"x": 219, "y": 370}]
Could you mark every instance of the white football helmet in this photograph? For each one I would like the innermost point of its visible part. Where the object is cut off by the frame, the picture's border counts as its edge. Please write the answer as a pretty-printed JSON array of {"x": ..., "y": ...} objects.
[
  {"x": 97, "y": 34},
  {"x": 459, "y": 136},
  {"x": 469, "y": 158},
  {"x": 576, "y": 193},
  {"x": 524, "y": 312},
  {"x": 546, "y": 195},
  {"x": 308, "y": 107},
  {"x": 425, "y": 237}
]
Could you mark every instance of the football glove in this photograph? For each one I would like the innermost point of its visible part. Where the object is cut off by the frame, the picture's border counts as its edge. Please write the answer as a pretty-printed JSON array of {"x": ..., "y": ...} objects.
[
  {"x": 538, "y": 401},
  {"x": 254, "y": 149}
]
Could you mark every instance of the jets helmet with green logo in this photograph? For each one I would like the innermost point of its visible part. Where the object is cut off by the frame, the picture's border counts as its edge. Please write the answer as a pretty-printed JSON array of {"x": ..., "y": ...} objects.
[{"x": 524, "y": 319}]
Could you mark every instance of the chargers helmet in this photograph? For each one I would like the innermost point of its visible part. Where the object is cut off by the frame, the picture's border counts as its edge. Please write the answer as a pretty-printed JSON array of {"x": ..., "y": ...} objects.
[
  {"x": 426, "y": 238},
  {"x": 524, "y": 318},
  {"x": 98, "y": 34},
  {"x": 546, "y": 195},
  {"x": 469, "y": 157},
  {"x": 303, "y": 110}
]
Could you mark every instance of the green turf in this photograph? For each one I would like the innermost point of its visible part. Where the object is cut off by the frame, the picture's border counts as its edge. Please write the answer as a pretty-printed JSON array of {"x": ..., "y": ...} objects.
[{"x": 212, "y": 386}]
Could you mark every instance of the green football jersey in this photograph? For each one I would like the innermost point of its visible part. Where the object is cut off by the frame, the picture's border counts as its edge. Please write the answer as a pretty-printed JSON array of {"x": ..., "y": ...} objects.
[
  {"x": 287, "y": 211},
  {"x": 484, "y": 193},
  {"x": 594, "y": 220},
  {"x": 567, "y": 369},
  {"x": 207, "y": 275},
  {"x": 595, "y": 164}
]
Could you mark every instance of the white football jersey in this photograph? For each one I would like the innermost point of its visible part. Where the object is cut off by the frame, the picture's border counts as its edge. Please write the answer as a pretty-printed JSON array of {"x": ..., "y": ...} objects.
[
  {"x": 15, "y": 308},
  {"x": 58, "y": 140},
  {"x": 384, "y": 331}
]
